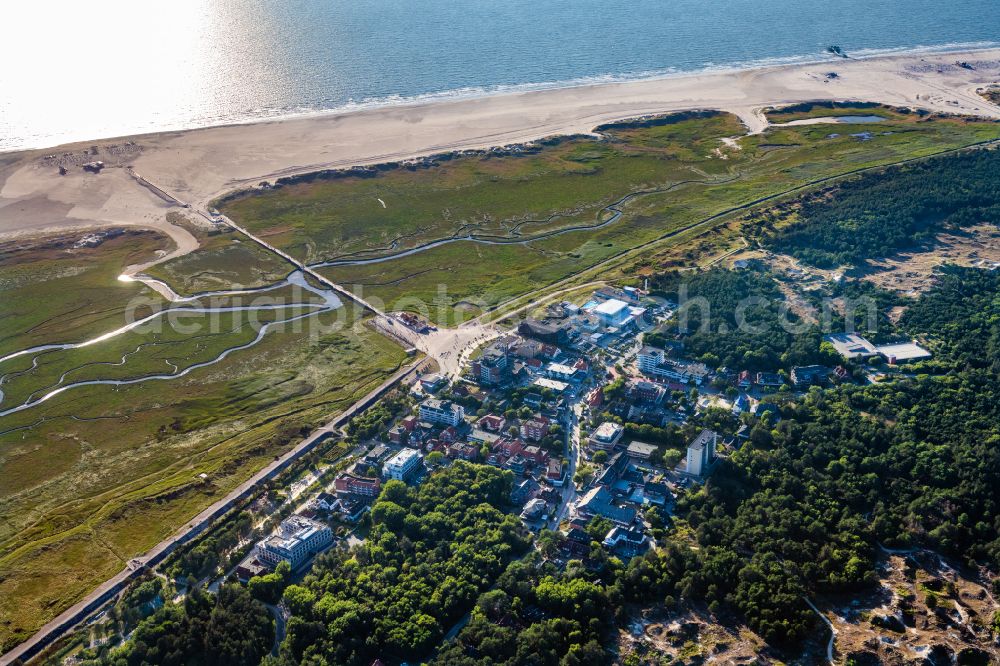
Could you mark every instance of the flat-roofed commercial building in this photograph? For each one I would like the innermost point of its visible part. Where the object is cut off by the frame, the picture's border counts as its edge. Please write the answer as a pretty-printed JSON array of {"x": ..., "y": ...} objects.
[
  {"x": 612, "y": 312},
  {"x": 641, "y": 450},
  {"x": 851, "y": 346},
  {"x": 902, "y": 352}
]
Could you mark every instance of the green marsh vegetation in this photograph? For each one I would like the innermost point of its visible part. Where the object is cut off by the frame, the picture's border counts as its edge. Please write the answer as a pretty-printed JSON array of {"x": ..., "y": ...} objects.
[
  {"x": 51, "y": 291},
  {"x": 223, "y": 260},
  {"x": 682, "y": 176},
  {"x": 98, "y": 474}
]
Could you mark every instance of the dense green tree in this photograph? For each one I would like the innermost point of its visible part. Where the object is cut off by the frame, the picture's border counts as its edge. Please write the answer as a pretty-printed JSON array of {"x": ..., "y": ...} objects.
[
  {"x": 431, "y": 552},
  {"x": 228, "y": 628},
  {"x": 882, "y": 211}
]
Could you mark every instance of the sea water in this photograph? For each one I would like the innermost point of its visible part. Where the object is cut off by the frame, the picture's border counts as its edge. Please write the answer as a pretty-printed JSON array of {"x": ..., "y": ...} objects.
[{"x": 81, "y": 70}]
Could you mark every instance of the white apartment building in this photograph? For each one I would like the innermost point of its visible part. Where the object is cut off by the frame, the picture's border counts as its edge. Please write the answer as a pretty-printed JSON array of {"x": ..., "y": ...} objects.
[
  {"x": 654, "y": 363},
  {"x": 606, "y": 436},
  {"x": 402, "y": 465},
  {"x": 441, "y": 411},
  {"x": 701, "y": 452}
]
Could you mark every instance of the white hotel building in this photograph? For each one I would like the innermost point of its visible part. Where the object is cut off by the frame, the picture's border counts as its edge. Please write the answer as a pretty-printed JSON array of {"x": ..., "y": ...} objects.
[{"x": 298, "y": 537}]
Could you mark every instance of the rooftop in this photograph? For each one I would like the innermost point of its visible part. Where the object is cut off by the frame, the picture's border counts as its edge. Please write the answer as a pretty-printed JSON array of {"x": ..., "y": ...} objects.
[
  {"x": 611, "y": 308},
  {"x": 437, "y": 404},
  {"x": 606, "y": 431},
  {"x": 850, "y": 345},
  {"x": 557, "y": 386},
  {"x": 403, "y": 457},
  {"x": 641, "y": 448},
  {"x": 906, "y": 351},
  {"x": 705, "y": 438}
]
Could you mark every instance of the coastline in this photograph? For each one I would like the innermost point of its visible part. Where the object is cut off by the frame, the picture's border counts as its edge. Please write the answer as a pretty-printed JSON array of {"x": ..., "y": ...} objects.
[
  {"x": 202, "y": 164},
  {"x": 485, "y": 91}
]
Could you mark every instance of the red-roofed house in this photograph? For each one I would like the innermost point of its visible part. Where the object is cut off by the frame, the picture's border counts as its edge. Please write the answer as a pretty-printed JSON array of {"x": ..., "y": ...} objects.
[{"x": 492, "y": 423}]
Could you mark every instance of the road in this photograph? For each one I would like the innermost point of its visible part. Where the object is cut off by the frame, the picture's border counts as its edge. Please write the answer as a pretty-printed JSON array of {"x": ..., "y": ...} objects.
[
  {"x": 279, "y": 627},
  {"x": 568, "y": 493},
  {"x": 833, "y": 631},
  {"x": 450, "y": 347}
]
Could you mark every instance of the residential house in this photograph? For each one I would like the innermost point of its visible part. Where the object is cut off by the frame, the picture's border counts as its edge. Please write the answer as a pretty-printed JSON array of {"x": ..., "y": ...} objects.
[
  {"x": 533, "y": 400},
  {"x": 655, "y": 491},
  {"x": 524, "y": 490},
  {"x": 536, "y": 455},
  {"x": 534, "y": 510},
  {"x": 616, "y": 466},
  {"x": 347, "y": 483},
  {"x": 803, "y": 376},
  {"x": 595, "y": 398},
  {"x": 626, "y": 542},
  {"x": 744, "y": 381},
  {"x": 556, "y": 473},
  {"x": 598, "y": 501},
  {"x": 517, "y": 464},
  {"x": 769, "y": 380},
  {"x": 399, "y": 435},
  {"x": 492, "y": 423},
  {"x": 464, "y": 451},
  {"x": 249, "y": 568}
]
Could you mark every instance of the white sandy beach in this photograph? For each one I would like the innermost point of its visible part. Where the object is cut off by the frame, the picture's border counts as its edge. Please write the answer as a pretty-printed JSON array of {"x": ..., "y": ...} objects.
[{"x": 198, "y": 165}]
